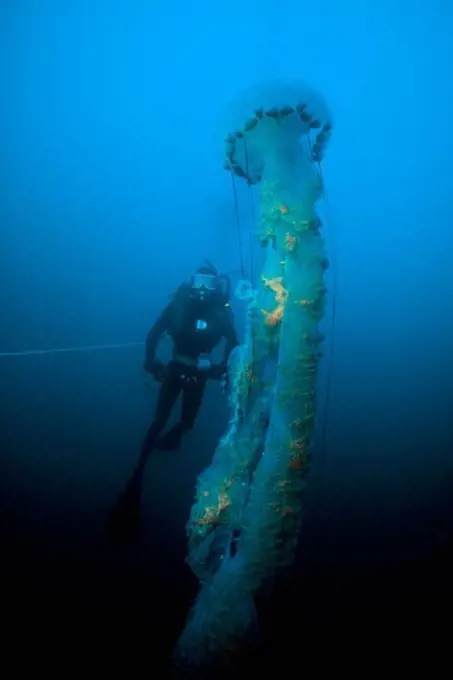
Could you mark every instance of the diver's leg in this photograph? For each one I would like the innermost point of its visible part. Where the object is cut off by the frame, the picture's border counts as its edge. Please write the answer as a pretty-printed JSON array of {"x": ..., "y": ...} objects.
[
  {"x": 191, "y": 401},
  {"x": 192, "y": 396},
  {"x": 124, "y": 521},
  {"x": 168, "y": 394}
]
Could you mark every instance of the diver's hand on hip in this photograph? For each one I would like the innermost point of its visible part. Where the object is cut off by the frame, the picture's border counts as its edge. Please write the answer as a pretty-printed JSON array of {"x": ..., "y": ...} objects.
[{"x": 156, "y": 369}]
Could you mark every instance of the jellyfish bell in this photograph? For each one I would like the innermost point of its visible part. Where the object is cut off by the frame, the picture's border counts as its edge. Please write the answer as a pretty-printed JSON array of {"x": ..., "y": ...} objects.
[{"x": 273, "y": 122}]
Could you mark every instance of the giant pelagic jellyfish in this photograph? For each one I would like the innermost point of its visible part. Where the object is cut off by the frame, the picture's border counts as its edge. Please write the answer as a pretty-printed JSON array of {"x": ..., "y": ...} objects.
[{"x": 245, "y": 523}]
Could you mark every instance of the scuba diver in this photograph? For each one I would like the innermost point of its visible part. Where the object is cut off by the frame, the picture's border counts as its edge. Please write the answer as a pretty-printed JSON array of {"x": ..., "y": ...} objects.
[{"x": 197, "y": 319}]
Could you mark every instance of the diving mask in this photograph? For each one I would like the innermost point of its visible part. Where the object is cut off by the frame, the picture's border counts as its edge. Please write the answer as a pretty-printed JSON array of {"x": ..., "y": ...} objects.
[{"x": 209, "y": 283}]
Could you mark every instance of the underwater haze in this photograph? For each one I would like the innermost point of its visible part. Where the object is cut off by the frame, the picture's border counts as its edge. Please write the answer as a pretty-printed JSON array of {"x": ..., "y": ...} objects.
[{"x": 112, "y": 191}]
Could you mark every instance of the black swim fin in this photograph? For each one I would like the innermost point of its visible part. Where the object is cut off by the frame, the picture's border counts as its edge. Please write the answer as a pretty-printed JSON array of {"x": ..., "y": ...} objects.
[{"x": 124, "y": 522}]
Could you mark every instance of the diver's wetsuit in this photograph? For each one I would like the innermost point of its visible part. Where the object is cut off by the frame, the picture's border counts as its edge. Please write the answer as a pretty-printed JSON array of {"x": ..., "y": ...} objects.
[{"x": 196, "y": 328}]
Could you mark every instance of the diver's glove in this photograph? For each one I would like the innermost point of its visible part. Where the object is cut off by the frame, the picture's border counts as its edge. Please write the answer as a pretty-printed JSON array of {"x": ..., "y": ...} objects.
[{"x": 157, "y": 370}]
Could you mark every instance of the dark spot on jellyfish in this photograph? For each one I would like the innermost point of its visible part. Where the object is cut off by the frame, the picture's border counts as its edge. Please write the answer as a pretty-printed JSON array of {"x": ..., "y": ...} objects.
[
  {"x": 315, "y": 124},
  {"x": 325, "y": 264},
  {"x": 238, "y": 171},
  {"x": 305, "y": 117},
  {"x": 227, "y": 165},
  {"x": 259, "y": 112},
  {"x": 286, "y": 111},
  {"x": 320, "y": 138},
  {"x": 265, "y": 419},
  {"x": 300, "y": 108},
  {"x": 327, "y": 127},
  {"x": 315, "y": 149},
  {"x": 250, "y": 124},
  {"x": 314, "y": 225},
  {"x": 239, "y": 134},
  {"x": 273, "y": 113}
]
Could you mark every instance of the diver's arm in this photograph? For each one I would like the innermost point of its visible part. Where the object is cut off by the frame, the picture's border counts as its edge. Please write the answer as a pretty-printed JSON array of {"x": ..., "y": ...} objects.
[{"x": 155, "y": 335}]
